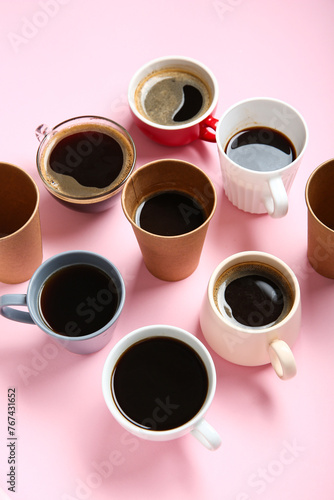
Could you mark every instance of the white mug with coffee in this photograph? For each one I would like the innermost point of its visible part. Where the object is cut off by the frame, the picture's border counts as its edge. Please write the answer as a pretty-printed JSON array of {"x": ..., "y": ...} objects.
[
  {"x": 251, "y": 312},
  {"x": 261, "y": 142},
  {"x": 158, "y": 383}
]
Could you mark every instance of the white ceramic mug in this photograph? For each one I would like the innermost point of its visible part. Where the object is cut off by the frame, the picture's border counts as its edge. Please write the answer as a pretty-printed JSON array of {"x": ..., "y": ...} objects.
[
  {"x": 249, "y": 345},
  {"x": 264, "y": 191},
  {"x": 197, "y": 425}
]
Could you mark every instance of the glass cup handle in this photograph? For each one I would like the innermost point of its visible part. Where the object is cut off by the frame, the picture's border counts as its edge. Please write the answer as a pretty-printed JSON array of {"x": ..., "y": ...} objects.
[
  {"x": 282, "y": 359},
  {"x": 205, "y": 125},
  {"x": 41, "y": 131},
  {"x": 206, "y": 435},
  {"x": 15, "y": 314},
  {"x": 277, "y": 204}
]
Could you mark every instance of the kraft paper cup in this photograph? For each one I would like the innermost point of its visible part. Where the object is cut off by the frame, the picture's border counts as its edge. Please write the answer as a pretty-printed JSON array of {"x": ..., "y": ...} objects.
[
  {"x": 20, "y": 231},
  {"x": 319, "y": 196},
  {"x": 170, "y": 258}
]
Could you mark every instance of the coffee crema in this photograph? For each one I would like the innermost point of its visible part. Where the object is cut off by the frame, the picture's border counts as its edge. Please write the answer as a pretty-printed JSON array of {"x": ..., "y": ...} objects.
[
  {"x": 262, "y": 149},
  {"x": 170, "y": 213},
  {"x": 159, "y": 383},
  {"x": 172, "y": 97},
  {"x": 78, "y": 300},
  {"x": 253, "y": 294},
  {"x": 86, "y": 160}
]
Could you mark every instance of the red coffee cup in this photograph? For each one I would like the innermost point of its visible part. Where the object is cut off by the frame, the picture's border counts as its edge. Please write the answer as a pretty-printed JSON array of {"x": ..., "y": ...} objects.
[{"x": 160, "y": 126}]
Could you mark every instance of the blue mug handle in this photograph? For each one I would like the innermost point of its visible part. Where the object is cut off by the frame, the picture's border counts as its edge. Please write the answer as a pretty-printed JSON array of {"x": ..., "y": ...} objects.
[{"x": 15, "y": 314}]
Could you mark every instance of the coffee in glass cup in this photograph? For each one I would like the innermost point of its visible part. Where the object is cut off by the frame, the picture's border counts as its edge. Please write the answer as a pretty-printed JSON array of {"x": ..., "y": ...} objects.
[{"x": 85, "y": 161}]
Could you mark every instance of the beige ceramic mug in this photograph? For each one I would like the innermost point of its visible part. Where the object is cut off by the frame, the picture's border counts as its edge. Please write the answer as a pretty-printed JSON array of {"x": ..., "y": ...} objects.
[
  {"x": 320, "y": 203},
  {"x": 20, "y": 231},
  {"x": 251, "y": 312}
]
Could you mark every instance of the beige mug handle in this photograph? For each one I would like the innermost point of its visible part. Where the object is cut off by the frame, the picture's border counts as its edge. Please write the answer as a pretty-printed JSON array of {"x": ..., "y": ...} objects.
[{"x": 282, "y": 359}]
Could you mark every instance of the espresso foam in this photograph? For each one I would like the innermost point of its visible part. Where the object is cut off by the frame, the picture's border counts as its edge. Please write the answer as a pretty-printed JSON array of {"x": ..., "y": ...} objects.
[
  {"x": 248, "y": 269},
  {"x": 159, "y": 96},
  {"x": 68, "y": 187}
]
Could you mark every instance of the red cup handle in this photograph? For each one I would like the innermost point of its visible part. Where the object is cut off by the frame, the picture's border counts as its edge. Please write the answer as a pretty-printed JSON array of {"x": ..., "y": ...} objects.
[{"x": 205, "y": 133}]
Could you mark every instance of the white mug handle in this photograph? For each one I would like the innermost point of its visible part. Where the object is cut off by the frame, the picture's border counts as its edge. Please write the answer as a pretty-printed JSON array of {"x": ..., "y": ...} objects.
[
  {"x": 206, "y": 435},
  {"x": 277, "y": 204},
  {"x": 282, "y": 359}
]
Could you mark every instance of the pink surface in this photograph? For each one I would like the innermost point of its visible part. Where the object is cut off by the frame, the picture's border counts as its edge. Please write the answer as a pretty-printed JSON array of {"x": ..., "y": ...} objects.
[{"x": 60, "y": 59}]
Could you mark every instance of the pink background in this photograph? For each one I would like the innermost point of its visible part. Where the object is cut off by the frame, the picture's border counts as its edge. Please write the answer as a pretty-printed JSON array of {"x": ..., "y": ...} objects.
[{"x": 61, "y": 59}]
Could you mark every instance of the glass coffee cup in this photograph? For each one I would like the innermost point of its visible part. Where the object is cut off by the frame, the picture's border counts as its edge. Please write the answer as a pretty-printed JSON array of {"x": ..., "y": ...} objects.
[{"x": 85, "y": 161}]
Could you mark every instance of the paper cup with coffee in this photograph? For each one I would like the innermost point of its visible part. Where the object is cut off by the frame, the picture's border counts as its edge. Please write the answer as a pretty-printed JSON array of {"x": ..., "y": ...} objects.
[
  {"x": 251, "y": 312},
  {"x": 261, "y": 142},
  {"x": 172, "y": 100},
  {"x": 75, "y": 297},
  {"x": 159, "y": 382},
  {"x": 85, "y": 161},
  {"x": 169, "y": 204},
  {"x": 319, "y": 194},
  {"x": 20, "y": 230}
]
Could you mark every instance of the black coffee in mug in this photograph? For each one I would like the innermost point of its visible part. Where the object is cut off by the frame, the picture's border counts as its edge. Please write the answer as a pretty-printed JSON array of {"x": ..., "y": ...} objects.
[
  {"x": 172, "y": 96},
  {"x": 159, "y": 383},
  {"x": 253, "y": 294},
  {"x": 78, "y": 300},
  {"x": 93, "y": 159},
  {"x": 170, "y": 213},
  {"x": 262, "y": 149},
  {"x": 86, "y": 160}
]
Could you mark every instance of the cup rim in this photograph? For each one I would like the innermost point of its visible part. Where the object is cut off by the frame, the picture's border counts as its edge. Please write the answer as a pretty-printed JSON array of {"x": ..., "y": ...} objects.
[
  {"x": 36, "y": 208},
  {"x": 221, "y": 148},
  {"x": 146, "y": 332},
  {"x": 308, "y": 203},
  {"x": 165, "y": 59},
  {"x": 261, "y": 257},
  {"x": 161, "y": 161},
  {"x": 37, "y": 319},
  {"x": 95, "y": 198}
]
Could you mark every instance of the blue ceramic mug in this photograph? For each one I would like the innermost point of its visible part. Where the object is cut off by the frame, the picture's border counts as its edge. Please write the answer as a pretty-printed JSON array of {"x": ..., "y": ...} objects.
[{"x": 80, "y": 344}]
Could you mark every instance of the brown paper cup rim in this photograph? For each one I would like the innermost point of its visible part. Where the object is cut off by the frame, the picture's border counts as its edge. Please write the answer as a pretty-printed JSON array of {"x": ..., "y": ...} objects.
[
  {"x": 11, "y": 235},
  {"x": 179, "y": 236},
  {"x": 309, "y": 181}
]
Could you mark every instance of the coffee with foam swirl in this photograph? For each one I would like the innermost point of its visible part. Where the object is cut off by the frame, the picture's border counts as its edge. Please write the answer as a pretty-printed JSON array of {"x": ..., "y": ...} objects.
[
  {"x": 85, "y": 161},
  {"x": 172, "y": 97}
]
